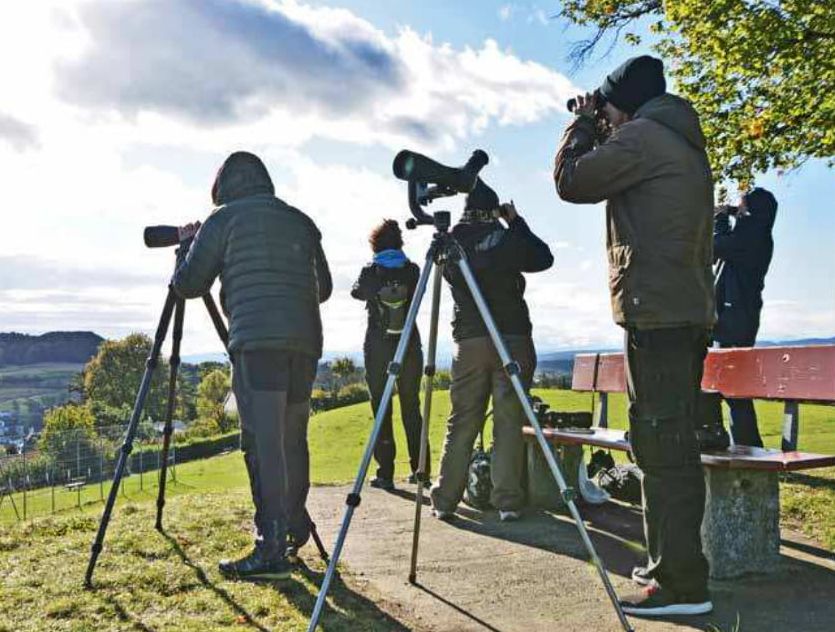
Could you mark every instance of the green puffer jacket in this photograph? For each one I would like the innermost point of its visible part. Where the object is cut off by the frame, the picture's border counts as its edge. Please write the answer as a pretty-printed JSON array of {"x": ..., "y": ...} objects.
[
  {"x": 269, "y": 257},
  {"x": 654, "y": 174}
]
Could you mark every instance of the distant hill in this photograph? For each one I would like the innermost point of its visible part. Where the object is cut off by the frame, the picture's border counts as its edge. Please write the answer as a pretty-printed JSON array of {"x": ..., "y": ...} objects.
[{"x": 72, "y": 347}]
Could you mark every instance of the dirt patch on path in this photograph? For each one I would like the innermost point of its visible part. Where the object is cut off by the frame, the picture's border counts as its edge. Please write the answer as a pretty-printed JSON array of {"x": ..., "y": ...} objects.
[{"x": 478, "y": 574}]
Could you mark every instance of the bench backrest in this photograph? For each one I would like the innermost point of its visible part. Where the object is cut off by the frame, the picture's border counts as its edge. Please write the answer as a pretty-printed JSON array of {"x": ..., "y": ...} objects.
[
  {"x": 784, "y": 373},
  {"x": 790, "y": 374}
]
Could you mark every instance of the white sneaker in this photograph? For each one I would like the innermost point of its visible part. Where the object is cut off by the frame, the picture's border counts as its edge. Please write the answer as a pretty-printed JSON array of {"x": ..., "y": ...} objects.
[
  {"x": 443, "y": 515},
  {"x": 509, "y": 516}
]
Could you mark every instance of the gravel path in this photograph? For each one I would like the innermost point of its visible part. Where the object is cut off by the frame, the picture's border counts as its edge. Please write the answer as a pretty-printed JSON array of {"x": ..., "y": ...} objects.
[{"x": 478, "y": 574}]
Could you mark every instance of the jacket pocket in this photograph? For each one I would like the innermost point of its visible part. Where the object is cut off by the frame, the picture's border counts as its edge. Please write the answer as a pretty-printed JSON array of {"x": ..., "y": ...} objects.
[{"x": 620, "y": 262}]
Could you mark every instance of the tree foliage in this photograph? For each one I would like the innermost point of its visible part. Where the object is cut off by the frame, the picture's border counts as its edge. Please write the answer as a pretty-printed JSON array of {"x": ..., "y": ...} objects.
[
  {"x": 761, "y": 73},
  {"x": 113, "y": 376},
  {"x": 211, "y": 399},
  {"x": 68, "y": 434}
]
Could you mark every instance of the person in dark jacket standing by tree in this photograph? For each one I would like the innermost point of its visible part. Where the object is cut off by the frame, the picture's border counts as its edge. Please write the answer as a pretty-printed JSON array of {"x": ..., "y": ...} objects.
[
  {"x": 273, "y": 276},
  {"x": 498, "y": 256},
  {"x": 654, "y": 174},
  {"x": 744, "y": 254},
  {"x": 387, "y": 285}
]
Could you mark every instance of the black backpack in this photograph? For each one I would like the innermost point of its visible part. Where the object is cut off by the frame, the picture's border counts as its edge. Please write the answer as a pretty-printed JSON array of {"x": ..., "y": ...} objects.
[
  {"x": 393, "y": 305},
  {"x": 479, "y": 484}
]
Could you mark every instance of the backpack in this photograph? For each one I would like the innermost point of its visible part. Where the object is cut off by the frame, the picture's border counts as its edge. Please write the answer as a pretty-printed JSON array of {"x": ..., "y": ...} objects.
[
  {"x": 392, "y": 301},
  {"x": 479, "y": 484}
]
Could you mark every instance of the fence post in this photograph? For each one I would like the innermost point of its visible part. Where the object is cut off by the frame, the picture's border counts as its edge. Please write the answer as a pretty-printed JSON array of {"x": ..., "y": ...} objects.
[
  {"x": 140, "y": 470},
  {"x": 101, "y": 470},
  {"x": 25, "y": 481},
  {"x": 52, "y": 487},
  {"x": 174, "y": 461}
]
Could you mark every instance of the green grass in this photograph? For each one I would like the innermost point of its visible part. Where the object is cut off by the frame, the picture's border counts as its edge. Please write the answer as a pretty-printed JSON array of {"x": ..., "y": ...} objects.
[{"x": 150, "y": 582}]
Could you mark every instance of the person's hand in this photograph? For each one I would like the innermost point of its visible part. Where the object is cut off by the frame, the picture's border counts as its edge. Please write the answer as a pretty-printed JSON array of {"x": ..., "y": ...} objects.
[
  {"x": 585, "y": 105},
  {"x": 188, "y": 231},
  {"x": 508, "y": 211},
  {"x": 727, "y": 209}
]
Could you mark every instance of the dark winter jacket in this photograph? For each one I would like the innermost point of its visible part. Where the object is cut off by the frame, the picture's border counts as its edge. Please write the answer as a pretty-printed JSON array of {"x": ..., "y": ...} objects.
[
  {"x": 654, "y": 175},
  {"x": 269, "y": 257},
  {"x": 746, "y": 251},
  {"x": 497, "y": 256},
  {"x": 367, "y": 287}
]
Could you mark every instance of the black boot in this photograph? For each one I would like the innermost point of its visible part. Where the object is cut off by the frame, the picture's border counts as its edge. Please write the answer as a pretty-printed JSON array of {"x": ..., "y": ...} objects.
[{"x": 267, "y": 561}]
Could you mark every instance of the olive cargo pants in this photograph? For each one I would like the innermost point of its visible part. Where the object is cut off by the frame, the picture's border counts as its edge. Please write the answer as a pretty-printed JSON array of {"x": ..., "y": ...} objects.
[
  {"x": 477, "y": 374},
  {"x": 663, "y": 376}
]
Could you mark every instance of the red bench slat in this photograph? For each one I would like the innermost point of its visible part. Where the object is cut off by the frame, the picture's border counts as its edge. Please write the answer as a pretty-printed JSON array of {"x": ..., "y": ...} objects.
[
  {"x": 786, "y": 373},
  {"x": 797, "y": 373}
]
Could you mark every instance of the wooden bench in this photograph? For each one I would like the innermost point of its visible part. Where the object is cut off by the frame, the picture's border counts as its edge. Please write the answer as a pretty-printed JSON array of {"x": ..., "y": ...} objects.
[{"x": 740, "y": 531}]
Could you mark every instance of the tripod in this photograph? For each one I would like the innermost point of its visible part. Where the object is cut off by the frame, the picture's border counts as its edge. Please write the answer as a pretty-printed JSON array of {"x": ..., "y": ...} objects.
[
  {"x": 445, "y": 251},
  {"x": 176, "y": 306}
]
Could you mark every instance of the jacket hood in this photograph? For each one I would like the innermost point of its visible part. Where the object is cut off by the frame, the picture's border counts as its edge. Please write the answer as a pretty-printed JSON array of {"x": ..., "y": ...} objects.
[
  {"x": 676, "y": 114},
  {"x": 762, "y": 206},
  {"x": 241, "y": 175}
]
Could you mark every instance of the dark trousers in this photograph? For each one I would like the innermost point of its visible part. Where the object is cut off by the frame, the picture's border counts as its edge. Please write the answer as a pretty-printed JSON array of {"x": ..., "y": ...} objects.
[
  {"x": 379, "y": 351},
  {"x": 663, "y": 376},
  {"x": 744, "y": 427},
  {"x": 272, "y": 390}
]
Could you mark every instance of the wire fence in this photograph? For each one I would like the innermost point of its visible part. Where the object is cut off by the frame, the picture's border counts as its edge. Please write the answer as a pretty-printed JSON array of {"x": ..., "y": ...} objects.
[{"x": 75, "y": 468}]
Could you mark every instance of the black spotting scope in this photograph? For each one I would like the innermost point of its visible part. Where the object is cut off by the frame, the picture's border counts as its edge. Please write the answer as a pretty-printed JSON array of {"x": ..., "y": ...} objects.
[
  {"x": 429, "y": 179},
  {"x": 161, "y": 236}
]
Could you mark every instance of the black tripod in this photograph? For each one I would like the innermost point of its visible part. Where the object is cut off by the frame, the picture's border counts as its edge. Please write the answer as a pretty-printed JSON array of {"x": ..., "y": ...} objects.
[
  {"x": 176, "y": 306},
  {"x": 444, "y": 251}
]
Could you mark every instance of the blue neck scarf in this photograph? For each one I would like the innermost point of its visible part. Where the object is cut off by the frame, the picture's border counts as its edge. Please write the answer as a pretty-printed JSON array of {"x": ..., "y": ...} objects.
[{"x": 391, "y": 258}]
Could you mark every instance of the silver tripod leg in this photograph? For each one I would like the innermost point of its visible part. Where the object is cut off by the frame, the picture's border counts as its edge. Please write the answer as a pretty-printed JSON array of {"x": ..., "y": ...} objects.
[
  {"x": 567, "y": 494},
  {"x": 353, "y": 499},
  {"x": 429, "y": 372}
]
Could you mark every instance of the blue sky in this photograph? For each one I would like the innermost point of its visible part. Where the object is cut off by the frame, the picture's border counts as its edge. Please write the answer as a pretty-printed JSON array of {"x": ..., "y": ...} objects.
[{"x": 117, "y": 115}]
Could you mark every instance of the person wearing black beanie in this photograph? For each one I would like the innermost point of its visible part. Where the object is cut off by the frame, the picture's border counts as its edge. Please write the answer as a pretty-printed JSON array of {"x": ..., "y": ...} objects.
[{"x": 652, "y": 170}]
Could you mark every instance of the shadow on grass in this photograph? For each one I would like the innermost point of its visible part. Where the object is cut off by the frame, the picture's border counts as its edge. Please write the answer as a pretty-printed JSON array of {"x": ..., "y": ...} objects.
[
  {"x": 217, "y": 590},
  {"x": 126, "y": 616},
  {"x": 353, "y": 610}
]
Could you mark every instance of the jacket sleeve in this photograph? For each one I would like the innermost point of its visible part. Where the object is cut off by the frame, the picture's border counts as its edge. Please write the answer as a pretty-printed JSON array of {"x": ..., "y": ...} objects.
[
  {"x": 366, "y": 286},
  {"x": 585, "y": 174},
  {"x": 323, "y": 273},
  {"x": 519, "y": 250},
  {"x": 726, "y": 242},
  {"x": 203, "y": 263}
]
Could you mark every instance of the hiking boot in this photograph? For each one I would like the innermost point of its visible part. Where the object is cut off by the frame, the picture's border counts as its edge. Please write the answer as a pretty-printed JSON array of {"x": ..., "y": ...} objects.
[
  {"x": 386, "y": 484},
  {"x": 509, "y": 516},
  {"x": 640, "y": 575},
  {"x": 414, "y": 481},
  {"x": 266, "y": 561},
  {"x": 446, "y": 516},
  {"x": 654, "y": 601},
  {"x": 261, "y": 564}
]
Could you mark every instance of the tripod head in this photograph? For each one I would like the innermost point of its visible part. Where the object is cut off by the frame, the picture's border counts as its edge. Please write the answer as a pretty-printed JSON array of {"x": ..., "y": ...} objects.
[{"x": 429, "y": 180}]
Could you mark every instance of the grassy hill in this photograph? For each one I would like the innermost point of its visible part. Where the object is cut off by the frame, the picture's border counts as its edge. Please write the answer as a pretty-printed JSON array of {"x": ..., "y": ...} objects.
[
  {"x": 27, "y": 390},
  {"x": 148, "y": 581}
]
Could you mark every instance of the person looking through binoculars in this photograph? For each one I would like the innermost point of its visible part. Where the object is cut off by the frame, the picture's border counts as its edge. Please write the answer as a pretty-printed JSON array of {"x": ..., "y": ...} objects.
[
  {"x": 653, "y": 172},
  {"x": 387, "y": 285},
  {"x": 743, "y": 252},
  {"x": 273, "y": 275},
  {"x": 498, "y": 256}
]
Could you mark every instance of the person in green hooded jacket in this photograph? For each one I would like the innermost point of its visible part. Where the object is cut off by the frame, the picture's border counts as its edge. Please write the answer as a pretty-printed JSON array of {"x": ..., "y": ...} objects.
[
  {"x": 652, "y": 170},
  {"x": 273, "y": 275}
]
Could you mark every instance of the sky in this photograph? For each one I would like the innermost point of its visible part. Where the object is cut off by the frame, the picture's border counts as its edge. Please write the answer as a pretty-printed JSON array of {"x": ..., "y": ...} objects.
[{"x": 116, "y": 115}]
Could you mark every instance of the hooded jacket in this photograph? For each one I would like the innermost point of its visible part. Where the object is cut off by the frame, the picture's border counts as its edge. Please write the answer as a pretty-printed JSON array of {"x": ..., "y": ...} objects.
[
  {"x": 497, "y": 256},
  {"x": 746, "y": 250},
  {"x": 269, "y": 258},
  {"x": 654, "y": 174}
]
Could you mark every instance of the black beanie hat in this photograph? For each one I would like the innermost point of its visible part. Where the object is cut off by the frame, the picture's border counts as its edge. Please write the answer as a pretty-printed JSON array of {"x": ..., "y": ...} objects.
[
  {"x": 481, "y": 198},
  {"x": 634, "y": 82}
]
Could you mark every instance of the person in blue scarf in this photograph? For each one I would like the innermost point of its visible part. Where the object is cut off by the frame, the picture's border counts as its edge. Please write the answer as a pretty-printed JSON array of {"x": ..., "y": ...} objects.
[{"x": 387, "y": 285}]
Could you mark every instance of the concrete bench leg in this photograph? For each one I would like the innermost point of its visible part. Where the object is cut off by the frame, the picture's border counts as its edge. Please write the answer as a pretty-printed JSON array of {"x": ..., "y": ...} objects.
[
  {"x": 543, "y": 492},
  {"x": 741, "y": 526}
]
